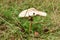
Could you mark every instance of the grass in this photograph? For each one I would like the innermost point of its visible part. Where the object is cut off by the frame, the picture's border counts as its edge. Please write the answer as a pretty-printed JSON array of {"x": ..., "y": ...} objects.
[{"x": 11, "y": 25}]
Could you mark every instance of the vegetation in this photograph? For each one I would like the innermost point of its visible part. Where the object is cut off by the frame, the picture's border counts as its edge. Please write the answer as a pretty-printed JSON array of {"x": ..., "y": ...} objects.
[{"x": 14, "y": 28}]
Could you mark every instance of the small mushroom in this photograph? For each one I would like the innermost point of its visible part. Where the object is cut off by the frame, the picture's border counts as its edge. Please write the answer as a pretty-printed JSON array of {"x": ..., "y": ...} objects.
[{"x": 30, "y": 13}]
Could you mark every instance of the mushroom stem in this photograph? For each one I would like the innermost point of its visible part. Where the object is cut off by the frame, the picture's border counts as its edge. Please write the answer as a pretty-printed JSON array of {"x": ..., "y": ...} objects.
[
  {"x": 31, "y": 20},
  {"x": 30, "y": 26}
]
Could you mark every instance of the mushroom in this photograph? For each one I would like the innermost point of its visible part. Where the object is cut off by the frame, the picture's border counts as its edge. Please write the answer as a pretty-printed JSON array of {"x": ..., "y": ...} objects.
[{"x": 30, "y": 13}]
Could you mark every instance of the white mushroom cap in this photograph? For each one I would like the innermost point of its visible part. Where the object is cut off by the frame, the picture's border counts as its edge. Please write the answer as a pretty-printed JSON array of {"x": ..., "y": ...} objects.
[{"x": 30, "y": 12}]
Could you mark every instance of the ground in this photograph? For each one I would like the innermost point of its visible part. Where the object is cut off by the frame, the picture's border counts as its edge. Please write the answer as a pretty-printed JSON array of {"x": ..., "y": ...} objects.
[{"x": 14, "y": 28}]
